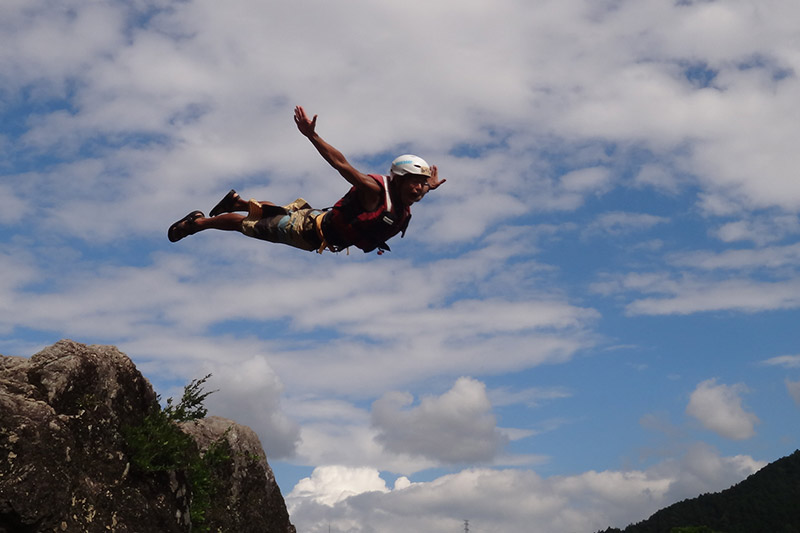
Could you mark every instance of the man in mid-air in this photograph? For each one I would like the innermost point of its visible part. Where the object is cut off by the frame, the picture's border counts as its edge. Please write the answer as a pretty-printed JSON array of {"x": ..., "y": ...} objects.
[{"x": 375, "y": 208}]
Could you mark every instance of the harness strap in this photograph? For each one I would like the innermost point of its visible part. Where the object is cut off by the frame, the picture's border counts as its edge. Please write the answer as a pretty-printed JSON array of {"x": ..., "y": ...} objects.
[
  {"x": 386, "y": 190},
  {"x": 325, "y": 244}
]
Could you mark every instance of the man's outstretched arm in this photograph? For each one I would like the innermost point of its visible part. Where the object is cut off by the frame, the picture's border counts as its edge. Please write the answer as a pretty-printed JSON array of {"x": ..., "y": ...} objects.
[{"x": 333, "y": 156}]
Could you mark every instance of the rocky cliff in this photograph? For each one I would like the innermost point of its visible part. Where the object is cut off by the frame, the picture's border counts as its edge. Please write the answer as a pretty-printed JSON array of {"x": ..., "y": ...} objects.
[{"x": 68, "y": 461}]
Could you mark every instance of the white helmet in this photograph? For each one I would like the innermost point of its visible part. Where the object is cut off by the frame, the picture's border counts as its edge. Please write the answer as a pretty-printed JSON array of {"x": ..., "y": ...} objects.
[{"x": 410, "y": 164}]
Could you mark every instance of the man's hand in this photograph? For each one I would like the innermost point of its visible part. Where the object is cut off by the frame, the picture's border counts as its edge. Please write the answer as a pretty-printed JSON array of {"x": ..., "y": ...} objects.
[
  {"x": 369, "y": 187},
  {"x": 433, "y": 180},
  {"x": 305, "y": 125}
]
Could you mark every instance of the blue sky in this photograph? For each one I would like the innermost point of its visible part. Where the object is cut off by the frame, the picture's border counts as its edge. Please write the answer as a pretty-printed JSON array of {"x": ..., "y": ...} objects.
[{"x": 593, "y": 318}]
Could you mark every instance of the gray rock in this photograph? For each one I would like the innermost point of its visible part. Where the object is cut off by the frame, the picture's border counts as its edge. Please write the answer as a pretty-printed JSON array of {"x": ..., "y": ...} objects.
[
  {"x": 246, "y": 498},
  {"x": 64, "y": 463}
]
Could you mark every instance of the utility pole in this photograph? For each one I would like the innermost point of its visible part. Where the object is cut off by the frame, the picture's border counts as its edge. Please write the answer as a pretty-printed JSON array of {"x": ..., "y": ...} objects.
[{"x": 466, "y": 526}]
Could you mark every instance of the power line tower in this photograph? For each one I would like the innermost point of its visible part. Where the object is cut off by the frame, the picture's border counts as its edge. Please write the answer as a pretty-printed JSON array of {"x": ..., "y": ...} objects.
[{"x": 466, "y": 526}]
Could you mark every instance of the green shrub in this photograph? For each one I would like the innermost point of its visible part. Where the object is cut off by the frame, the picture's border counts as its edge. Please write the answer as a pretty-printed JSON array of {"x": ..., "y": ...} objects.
[{"x": 159, "y": 445}]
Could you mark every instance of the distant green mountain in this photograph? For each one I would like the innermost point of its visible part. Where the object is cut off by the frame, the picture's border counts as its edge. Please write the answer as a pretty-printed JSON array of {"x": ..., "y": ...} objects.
[{"x": 766, "y": 502}]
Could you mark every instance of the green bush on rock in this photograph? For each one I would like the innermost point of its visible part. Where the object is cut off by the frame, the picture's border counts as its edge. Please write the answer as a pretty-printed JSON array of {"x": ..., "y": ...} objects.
[{"x": 159, "y": 445}]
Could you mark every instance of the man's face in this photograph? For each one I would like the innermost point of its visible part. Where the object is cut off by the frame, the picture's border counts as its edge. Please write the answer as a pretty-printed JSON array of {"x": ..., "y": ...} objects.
[{"x": 412, "y": 188}]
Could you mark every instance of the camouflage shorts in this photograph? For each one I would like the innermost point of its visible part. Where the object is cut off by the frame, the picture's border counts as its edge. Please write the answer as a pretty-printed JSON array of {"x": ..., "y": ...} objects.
[{"x": 292, "y": 224}]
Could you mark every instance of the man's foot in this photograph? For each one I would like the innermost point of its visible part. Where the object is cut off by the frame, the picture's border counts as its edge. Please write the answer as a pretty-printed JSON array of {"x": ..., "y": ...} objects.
[
  {"x": 184, "y": 227},
  {"x": 226, "y": 205}
]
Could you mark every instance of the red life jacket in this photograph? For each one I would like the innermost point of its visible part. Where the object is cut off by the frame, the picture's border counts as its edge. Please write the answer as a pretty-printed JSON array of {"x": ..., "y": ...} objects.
[{"x": 349, "y": 224}]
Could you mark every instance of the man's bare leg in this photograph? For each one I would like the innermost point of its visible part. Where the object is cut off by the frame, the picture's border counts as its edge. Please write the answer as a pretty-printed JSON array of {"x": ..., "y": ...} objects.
[{"x": 225, "y": 222}]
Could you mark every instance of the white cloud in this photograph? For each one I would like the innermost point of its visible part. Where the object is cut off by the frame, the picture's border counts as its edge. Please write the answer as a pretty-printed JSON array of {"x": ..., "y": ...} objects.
[
  {"x": 592, "y": 180},
  {"x": 250, "y": 393},
  {"x": 719, "y": 409},
  {"x": 456, "y": 427},
  {"x": 312, "y": 407},
  {"x": 19, "y": 269},
  {"x": 761, "y": 231},
  {"x": 686, "y": 293},
  {"x": 15, "y": 207},
  {"x": 786, "y": 361},
  {"x": 353, "y": 444},
  {"x": 772, "y": 257},
  {"x": 620, "y": 223},
  {"x": 660, "y": 178},
  {"x": 398, "y": 436},
  {"x": 702, "y": 469},
  {"x": 434, "y": 326},
  {"x": 693, "y": 295},
  {"x": 330, "y": 485},
  {"x": 530, "y": 397},
  {"x": 45, "y": 44},
  {"x": 511, "y": 500}
]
